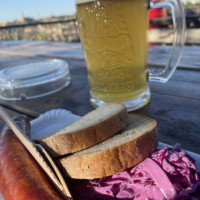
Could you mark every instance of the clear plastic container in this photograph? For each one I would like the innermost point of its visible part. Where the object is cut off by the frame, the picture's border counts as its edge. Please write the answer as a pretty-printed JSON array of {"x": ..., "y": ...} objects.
[{"x": 33, "y": 80}]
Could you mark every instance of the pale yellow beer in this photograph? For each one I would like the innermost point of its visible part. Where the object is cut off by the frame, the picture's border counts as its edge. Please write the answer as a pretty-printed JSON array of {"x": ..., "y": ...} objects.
[{"x": 114, "y": 38}]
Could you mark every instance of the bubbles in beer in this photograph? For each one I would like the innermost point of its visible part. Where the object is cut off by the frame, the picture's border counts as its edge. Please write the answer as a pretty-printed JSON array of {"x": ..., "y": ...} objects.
[
  {"x": 98, "y": 3},
  {"x": 98, "y": 9}
]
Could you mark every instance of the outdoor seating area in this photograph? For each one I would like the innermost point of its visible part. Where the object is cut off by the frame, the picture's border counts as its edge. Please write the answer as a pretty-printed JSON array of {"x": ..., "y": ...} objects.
[{"x": 57, "y": 70}]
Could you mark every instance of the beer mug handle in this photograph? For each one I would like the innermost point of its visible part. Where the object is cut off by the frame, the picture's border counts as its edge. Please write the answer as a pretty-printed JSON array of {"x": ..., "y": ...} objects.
[{"x": 178, "y": 18}]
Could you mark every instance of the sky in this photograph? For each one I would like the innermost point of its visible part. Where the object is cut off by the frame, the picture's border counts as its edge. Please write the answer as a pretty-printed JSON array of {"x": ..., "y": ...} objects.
[{"x": 13, "y": 9}]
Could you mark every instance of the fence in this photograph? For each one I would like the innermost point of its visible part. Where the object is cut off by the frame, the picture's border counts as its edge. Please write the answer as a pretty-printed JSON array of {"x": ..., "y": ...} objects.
[
  {"x": 67, "y": 30},
  {"x": 62, "y": 30}
]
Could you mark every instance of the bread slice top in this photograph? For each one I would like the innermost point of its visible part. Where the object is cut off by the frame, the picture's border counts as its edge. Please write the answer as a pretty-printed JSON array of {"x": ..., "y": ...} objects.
[
  {"x": 94, "y": 117},
  {"x": 124, "y": 150},
  {"x": 94, "y": 127},
  {"x": 136, "y": 128}
]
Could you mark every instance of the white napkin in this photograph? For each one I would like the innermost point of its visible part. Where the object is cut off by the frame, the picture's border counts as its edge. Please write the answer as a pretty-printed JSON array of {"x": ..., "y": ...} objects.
[{"x": 51, "y": 121}]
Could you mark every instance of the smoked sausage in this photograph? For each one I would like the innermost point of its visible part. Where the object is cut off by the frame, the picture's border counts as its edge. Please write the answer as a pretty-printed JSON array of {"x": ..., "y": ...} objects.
[{"x": 21, "y": 178}]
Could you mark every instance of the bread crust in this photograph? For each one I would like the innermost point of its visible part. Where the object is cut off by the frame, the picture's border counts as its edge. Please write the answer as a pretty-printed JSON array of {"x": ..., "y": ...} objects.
[
  {"x": 61, "y": 144},
  {"x": 110, "y": 161}
]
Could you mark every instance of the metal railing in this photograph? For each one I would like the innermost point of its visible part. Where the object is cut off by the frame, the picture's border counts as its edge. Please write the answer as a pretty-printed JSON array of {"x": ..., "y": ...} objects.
[
  {"x": 67, "y": 30},
  {"x": 60, "y": 30}
]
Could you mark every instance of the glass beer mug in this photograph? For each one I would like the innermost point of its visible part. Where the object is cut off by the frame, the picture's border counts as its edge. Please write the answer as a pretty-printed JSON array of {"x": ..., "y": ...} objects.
[{"x": 114, "y": 36}]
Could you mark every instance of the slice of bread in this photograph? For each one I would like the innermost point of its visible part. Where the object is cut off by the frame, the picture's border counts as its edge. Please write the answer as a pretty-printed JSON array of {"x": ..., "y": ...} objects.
[
  {"x": 124, "y": 150},
  {"x": 94, "y": 127}
]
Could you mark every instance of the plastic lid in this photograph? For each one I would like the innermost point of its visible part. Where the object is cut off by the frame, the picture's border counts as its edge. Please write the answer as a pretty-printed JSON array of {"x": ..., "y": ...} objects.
[{"x": 34, "y": 79}]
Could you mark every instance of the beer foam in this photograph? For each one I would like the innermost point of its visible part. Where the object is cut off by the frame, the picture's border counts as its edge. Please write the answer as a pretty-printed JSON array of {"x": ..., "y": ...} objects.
[{"x": 83, "y": 1}]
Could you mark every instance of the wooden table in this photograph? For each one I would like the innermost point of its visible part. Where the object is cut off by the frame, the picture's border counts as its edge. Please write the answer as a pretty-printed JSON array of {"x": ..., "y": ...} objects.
[{"x": 174, "y": 105}]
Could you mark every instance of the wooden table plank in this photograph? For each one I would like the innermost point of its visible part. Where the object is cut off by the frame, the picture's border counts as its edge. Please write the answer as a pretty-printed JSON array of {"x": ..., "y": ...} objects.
[
  {"x": 63, "y": 50},
  {"x": 158, "y": 55},
  {"x": 177, "y": 119},
  {"x": 183, "y": 83},
  {"x": 175, "y": 105}
]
